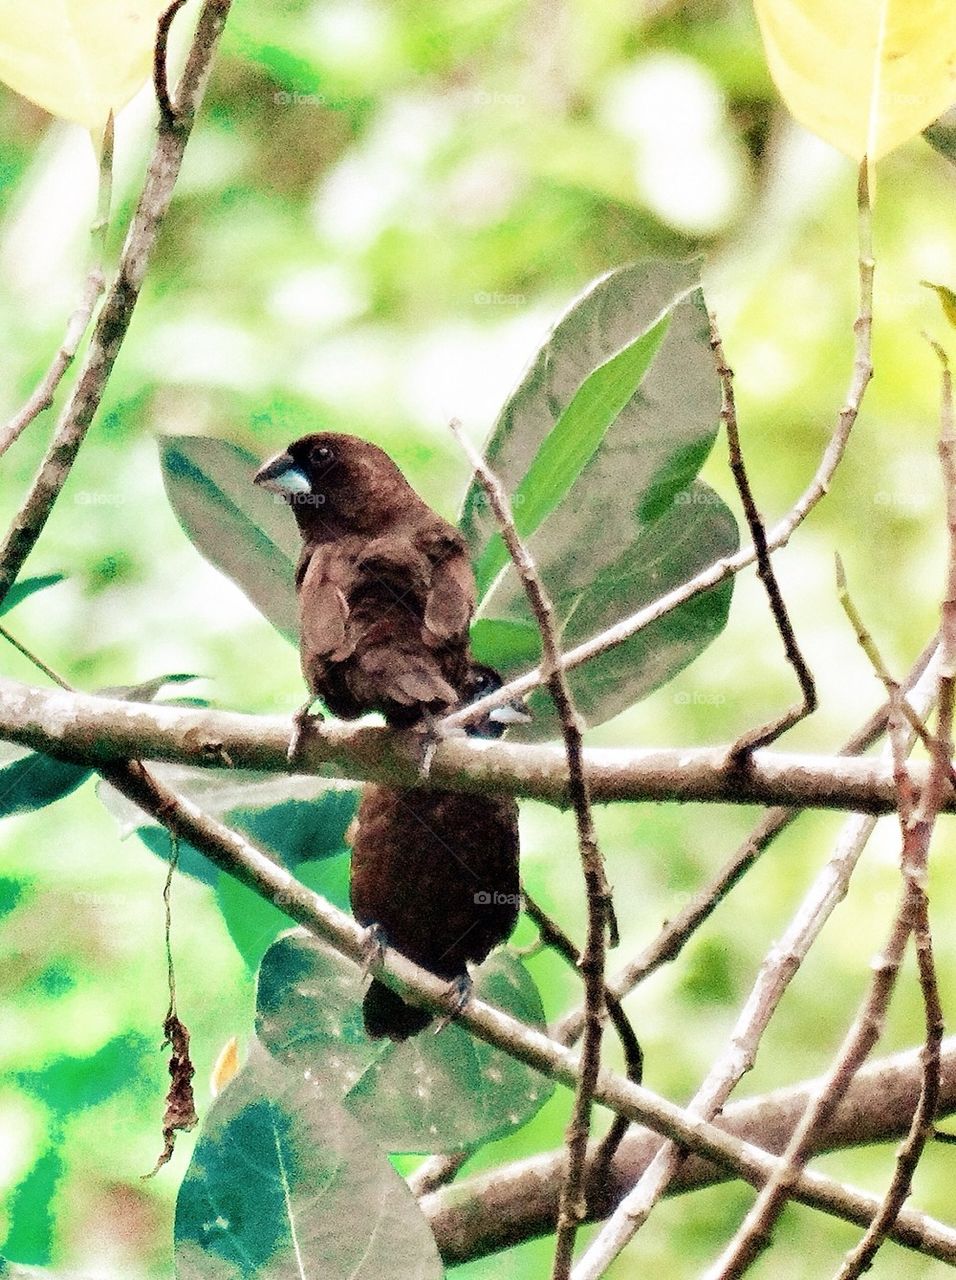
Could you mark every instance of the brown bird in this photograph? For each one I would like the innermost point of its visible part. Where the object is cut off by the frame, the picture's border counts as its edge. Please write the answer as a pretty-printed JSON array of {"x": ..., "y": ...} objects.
[
  {"x": 385, "y": 587},
  {"x": 435, "y": 873}
]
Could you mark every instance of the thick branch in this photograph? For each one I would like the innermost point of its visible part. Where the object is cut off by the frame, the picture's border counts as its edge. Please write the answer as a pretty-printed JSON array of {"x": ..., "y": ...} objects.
[
  {"x": 514, "y": 1203},
  {"x": 100, "y": 731}
]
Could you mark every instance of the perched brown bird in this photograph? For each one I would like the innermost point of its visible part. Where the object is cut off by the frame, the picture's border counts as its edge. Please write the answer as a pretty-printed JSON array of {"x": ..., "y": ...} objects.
[
  {"x": 385, "y": 587},
  {"x": 436, "y": 874}
]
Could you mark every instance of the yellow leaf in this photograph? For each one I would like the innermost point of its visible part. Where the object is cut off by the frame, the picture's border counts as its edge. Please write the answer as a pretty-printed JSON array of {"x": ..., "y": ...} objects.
[
  {"x": 866, "y": 75},
  {"x": 225, "y": 1067},
  {"x": 947, "y": 299},
  {"x": 79, "y": 59}
]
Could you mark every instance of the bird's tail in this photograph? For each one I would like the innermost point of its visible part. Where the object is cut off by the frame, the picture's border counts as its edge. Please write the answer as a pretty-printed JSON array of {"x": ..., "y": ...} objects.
[{"x": 387, "y": 1014}]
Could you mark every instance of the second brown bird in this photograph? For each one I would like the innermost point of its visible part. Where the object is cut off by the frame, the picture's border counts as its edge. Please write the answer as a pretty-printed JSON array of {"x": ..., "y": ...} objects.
[{"x": 437, "y": 873}]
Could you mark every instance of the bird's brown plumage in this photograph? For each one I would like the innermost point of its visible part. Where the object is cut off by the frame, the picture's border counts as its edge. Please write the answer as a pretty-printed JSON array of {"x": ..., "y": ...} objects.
[
  {"x": 437, "y": 873},
  {"x": 385, "y": 587}
]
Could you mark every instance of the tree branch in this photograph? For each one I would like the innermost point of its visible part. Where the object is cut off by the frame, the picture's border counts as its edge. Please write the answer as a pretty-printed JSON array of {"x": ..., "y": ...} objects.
[
  {"x": 98, "y": 731},
  {"x": 117, "y": 310},
  {"x": 600, "y": 912},
  {"x": 513, "y": 1203}
]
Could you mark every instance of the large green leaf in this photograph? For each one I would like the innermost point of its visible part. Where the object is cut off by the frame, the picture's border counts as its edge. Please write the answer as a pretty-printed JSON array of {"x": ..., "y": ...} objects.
[
  {"x": 634, "y": 523},
  {"x": 243, "y": 530},
  {"x": 282, "y": 1185},
  {"x": 656, "y": 443},
  {"x": 572, "y": 442},
  {"x": 432, "y": 1093}
]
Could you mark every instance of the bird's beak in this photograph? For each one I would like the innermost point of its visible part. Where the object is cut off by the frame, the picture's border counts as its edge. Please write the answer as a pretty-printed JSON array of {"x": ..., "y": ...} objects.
[
  {"x": 281, "y": 475},
  {"x": 511, "y": 713}
]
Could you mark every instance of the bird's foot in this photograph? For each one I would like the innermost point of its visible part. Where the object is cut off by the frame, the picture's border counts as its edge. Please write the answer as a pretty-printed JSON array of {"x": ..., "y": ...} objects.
[
  {"x": 302, "y": 722},
  {"x": 423, "y": 740},
  {"x": 373, "y": 948},
  {"x": 459, "y": 994}
]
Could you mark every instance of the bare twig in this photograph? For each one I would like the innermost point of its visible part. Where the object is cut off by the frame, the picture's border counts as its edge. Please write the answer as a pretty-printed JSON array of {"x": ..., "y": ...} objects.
[
  {"x": 767, "y": 733},
  {"x": 96, "y": 729},
  {"x": 917, "y": 833},
  {"x": 79, "y": 321},
  {"x": 911, "y": 915},
  {"x": 168, "y": 112},
  {"x": 870, "y": 648},
  {"x": 777, "y": 537},
  {"x": 600, "y": 912},
  {"x": 513, "y": 1203},
  {"x": 117, "y": 310},
  {"x": 778, "y": 970},
  {"x": 553, "y": 935}
]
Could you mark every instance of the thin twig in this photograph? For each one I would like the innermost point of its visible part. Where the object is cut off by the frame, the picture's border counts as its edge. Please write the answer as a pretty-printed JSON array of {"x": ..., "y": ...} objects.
[
  {"x": 871, "y": 649},
  {"x": 79, "y": 321},
  {"x": 778, "y": 970},
  {"x": 600, "y": 912},
  {"x": 777, "y": 537},
  {"x": 917, "y": 834},
  {"x": 552, "y": 935},
  {"x": 763, "y": 735},
  {"x": 168, "y": 113},
  {"x": 671, "y": 940},
  {"x": 117, "y": 310},
  {"x": 911, "y": 914}
]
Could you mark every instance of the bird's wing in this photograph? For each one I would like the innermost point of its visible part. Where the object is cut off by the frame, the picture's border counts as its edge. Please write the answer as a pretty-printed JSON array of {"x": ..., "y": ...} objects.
[
  {"x": 404, "y": 674},
  {"x": 323, "y": 608},
  {"x": 451, "y": 597}
]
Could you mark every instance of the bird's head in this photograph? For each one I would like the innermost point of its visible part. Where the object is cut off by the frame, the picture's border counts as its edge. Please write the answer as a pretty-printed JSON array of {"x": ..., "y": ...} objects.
[
  {"x": 336, "y": 484},
  {"x": 481, "y": 681}
]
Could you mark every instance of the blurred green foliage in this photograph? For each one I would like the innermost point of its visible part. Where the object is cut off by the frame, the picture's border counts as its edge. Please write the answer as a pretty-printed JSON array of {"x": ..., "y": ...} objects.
[{"x": 382, "y": 209}]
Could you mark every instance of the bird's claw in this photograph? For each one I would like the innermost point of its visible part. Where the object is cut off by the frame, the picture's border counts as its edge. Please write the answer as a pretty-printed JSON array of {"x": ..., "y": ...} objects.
[
  {"x": 459, "y": 994},
  {"x": 373, "y": 948},
  {"x": 424, "y": 739},
  {"x": 302, "y": 722}
]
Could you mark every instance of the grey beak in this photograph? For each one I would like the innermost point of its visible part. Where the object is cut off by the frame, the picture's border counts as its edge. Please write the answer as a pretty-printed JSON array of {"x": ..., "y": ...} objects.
[
  {"x": 281, "y": 475},
  {"x": 510, "y": 713}
]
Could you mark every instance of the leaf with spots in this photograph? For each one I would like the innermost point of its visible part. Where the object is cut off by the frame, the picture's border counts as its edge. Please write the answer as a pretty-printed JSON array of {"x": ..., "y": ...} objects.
[
  {"x": 440, "y": 1092},
  {"x": 282, "y": 1186}
]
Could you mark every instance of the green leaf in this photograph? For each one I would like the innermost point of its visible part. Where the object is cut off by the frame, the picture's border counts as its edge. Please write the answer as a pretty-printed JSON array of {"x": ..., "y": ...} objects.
[
  {"x": 573, "y": 441},
  {"x": 696, "y": 530},
  {"x": 26, "y": 587},
  {"x": 633, "y": 523},
  {"x": 240, "y": 528},
  {"x": 434, "y": 1092},
  {"x": 668, "y": 427},
  {"x": 282, "y": 1185},
  {"x": 31, "y": 781}
]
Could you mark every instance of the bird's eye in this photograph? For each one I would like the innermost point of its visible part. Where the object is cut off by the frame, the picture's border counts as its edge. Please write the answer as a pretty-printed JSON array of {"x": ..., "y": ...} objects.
[{"x": 322, "y": 455}]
